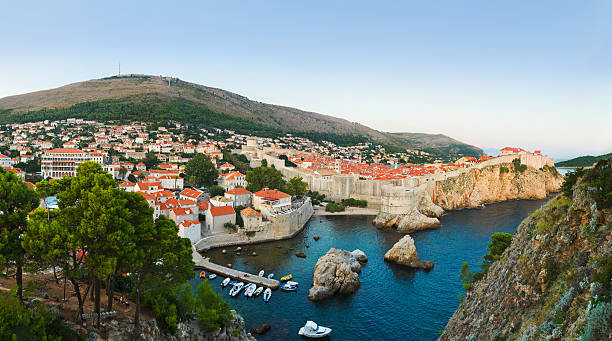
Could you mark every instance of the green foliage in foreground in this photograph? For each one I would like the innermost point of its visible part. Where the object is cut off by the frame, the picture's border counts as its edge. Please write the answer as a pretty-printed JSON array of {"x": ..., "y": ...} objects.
[
  {"x": 499, "y": 243},
  {"x": 174, "y": 304},
  {"x": 570, "y": 180},
  {"x": 18, "y": 322}
]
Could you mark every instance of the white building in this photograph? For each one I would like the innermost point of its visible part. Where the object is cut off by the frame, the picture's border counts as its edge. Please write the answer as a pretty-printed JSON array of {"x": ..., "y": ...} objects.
[
  {"x": 217, "y": 217},
  {"x": 239, "y": 197},
  {"x": 59, "y": 162},
  {"x": 191, "y": 229}
]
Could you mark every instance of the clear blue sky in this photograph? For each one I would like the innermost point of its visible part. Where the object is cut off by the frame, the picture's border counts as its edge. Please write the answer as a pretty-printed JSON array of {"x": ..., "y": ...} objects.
[{"x": 533, "y": 74}]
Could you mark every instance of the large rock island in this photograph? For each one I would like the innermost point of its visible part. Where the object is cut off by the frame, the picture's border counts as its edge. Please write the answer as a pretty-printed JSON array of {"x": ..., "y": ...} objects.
[
  {"x": 404, "y": 253},
  {"x": 335, "y": 272}
]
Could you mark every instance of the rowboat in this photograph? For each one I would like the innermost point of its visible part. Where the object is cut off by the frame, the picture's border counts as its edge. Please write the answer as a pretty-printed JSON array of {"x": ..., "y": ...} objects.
[
  {"x": 258, "y": 291},
  {"x": 286, "y": 278},
  {"x": 261, "y": 273},
  {"x": 267, "y": 295}
]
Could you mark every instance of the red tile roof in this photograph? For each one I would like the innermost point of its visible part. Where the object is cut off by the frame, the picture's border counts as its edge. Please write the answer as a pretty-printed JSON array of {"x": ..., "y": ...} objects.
[
  {"x": 238, "y": 191},
  {"x": 271, "y": 194},
  {"x": 216, "y": 211},
  {"x": 65, "y": 151}
]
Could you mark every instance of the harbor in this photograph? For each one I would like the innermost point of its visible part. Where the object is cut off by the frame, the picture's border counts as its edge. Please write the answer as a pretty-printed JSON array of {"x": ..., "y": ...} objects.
[{"x": 202, "y": 263}]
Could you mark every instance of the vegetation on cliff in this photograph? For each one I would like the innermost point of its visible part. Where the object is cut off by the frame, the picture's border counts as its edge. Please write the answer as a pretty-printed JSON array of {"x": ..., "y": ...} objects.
[{"x": 554, "y": 281}]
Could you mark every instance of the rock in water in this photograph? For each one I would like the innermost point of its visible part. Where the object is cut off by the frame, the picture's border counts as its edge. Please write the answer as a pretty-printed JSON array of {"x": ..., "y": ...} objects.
[
  {"x": 336, "y": 272},
  {"x": 316, "y": 237},
  {"x": 360, "y": 256},
  {"x": 300, "y": 255},
  {"x": 404, "y": 253},
  {"x": 261, "y": 329}
]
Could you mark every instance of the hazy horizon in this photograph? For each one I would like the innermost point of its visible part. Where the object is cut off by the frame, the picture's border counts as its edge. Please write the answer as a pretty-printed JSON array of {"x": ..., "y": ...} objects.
[{"x": 530, "y": 75}]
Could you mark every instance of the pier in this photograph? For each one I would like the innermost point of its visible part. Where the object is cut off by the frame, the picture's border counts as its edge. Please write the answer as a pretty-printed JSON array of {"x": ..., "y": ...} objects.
[{"x": 204, "y": 264}]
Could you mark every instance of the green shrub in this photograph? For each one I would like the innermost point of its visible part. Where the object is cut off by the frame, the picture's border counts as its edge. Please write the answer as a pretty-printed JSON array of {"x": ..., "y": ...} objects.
[
  {"x": 570, "y": 180},
  {"x": 18, "y": 322},
  {"x": 334, "y": 207},
  {"x": 210, "y": 308},
  {"x": 354, "y": 202},
  {"x": 503, "y": 170},
  {"x": 170, "y": 305},
  {"x": 518, "y": 166},
  {"x": 597, "y": 327}
]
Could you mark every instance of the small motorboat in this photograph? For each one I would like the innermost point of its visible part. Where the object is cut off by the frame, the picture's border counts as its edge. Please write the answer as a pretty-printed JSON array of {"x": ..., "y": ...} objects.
[
  {"x": 225, "y": 282},
  {"x": 212, "y": 276},
  {"x": 314, "y": 331},
  {"x": 236, "y": 289},
  {"x": 267, "y": 295},
  {"x": 258, "y": 291},
  {"x": 270, "y": 276},
  {"x": 261, "y": 273},
  {"x": 250, "y": 289},
  {"x": 287, "y": 287},
  {"x": 295, "y": 284},
  {"x": 286, "y": 278},
  {"x": 202, "y": 274}
]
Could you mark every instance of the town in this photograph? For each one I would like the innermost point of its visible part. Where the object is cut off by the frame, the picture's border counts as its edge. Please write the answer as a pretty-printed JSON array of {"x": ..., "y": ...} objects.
[{"x": 152, "y": 160}]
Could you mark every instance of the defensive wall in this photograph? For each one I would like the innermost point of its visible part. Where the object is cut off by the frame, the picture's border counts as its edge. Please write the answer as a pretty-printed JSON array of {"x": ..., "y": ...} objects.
[{"x": 280, "y": 226}]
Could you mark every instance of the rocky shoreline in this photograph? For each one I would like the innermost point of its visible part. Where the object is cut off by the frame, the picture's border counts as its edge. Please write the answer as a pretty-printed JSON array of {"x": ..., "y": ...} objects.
[{"x": 418, "y": 208}]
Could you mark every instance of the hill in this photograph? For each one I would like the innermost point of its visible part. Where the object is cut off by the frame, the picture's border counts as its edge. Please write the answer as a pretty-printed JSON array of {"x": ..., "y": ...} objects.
[
  {"x": 583, "y": 161},
  {"x": 157, "y": 98}
]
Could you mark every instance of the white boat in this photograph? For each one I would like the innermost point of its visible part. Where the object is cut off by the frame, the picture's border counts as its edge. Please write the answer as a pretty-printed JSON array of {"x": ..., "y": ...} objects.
[
  {"x": 261, "y": 273},
  {"x": 312, "y": 330},
  {"x": 225, "y": 282},
  {"x": 212, "y": 276},
  {"x": 250, "y": 290},
  {"x": 236, "y": 289},
  {"x": 258, "y": 291},
  {"x": 295, "y": 284},
  {"x": 267, "y": 294},
  {"x": 287, "y": 287}
]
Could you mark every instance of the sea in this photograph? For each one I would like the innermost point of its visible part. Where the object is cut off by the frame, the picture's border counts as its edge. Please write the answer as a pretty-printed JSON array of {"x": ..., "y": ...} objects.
[{"x": 393, "y": 302}]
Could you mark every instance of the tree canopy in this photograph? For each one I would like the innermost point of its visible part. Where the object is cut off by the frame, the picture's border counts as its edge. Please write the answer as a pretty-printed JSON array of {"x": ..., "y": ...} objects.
[
  {"x": 201, "y": 172},
  {"x": 264, "y": 177}
]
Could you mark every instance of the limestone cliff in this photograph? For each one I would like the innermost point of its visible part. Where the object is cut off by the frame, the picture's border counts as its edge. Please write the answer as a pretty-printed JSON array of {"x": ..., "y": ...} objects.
[
  {"x": 554, "y": 280},
  {"x": 493, "y": 184},
  {"x": 418, "y": 208}
]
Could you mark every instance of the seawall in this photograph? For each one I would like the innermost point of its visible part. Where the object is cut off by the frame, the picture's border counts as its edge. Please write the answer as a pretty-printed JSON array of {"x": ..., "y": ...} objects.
[{"x": 282, "y": 226}]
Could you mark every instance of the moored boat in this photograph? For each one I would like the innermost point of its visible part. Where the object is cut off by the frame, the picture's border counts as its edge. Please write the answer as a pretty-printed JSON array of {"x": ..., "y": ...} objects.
[
  {"x": 225, "y": 282},
  {"x": 202, "y": 274},
  {"x": 314, "y": 331},
  {"x": 261, "y": 273},
  {"x": 236, "y": 289},
  {"x": 286, "y": 278},
  {"x": 293, "y": 283},
  {"x": 267, "y": 294},
  {"x": 287, "y": 287},
  {"x": 249, "y": 290},
  {"x": 258, "y": 291},
  {"x": 270, "y": 276},
  {"x": 212, "y": 276}
]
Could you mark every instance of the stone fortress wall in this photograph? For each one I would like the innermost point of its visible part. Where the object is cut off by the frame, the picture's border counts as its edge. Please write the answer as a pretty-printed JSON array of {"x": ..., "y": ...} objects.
[
  {"x": 338, "y": 187},
  {"x": 281, "y": 226}
]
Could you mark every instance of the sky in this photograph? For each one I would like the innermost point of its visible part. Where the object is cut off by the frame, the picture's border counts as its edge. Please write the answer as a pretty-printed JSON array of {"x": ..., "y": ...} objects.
[{"x": 531, "y": 74}]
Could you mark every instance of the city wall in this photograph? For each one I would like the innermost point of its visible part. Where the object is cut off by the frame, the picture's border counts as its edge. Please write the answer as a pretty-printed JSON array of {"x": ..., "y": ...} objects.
[{"x": 282, "y": 226}]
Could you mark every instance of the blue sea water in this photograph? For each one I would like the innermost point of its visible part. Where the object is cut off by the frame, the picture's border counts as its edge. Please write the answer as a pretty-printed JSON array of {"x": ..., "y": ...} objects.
[{"x": 394, "y": 302}]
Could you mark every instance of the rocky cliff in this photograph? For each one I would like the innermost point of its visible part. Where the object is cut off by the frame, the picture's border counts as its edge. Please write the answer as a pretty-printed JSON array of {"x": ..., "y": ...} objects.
[
  {"x": 423, "y": 205},
  {"x": 554, "y": 281},
  {"x": 404, "y": 253}
]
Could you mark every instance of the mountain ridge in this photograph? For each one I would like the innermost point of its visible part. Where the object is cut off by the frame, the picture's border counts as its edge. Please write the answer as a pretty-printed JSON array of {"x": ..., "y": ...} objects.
[{"x": 131, "y": 88}]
